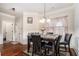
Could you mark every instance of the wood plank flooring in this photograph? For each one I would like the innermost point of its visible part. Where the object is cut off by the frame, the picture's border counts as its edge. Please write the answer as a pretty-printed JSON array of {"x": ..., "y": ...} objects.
[{"x": 9, "y": 49}]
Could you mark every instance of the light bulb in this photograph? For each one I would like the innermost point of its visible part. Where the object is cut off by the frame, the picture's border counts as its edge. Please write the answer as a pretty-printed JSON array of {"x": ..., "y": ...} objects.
[
  {"x": 42, "y": 20},
  {"x": 48, "y": 20}
]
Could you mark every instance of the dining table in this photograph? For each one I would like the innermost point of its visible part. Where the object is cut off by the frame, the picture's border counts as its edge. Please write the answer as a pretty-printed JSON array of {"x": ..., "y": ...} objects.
[{"x": 44, "y": 37}]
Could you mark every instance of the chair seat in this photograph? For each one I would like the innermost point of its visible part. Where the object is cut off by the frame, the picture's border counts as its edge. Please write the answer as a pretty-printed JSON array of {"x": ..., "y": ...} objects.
[
  {"x": 49, "y": 43},
  {"x": 63, "y": 43},
  {"x": 43, "y": 43},
  {"x": 48, "y": 46}
]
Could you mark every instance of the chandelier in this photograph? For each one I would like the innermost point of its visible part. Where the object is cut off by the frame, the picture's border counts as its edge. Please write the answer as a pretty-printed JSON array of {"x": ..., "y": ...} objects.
[{"x": 44, "y": 19}]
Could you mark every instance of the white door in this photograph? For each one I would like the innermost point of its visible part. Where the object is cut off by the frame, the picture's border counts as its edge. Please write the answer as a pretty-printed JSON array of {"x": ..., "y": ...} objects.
[{"x": 9, "y": 31}]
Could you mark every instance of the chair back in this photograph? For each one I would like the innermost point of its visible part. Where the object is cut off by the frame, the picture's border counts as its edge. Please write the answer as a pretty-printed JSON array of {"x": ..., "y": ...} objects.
[
  {"x": 36, "y": 44},
  {"x": 57, "y": 43},
  {"x": 30, "y": 35},
  {"x": 49, "y": 33},
  {"x": 68, "y": 37},
  {"x": 58, "y": 40}
]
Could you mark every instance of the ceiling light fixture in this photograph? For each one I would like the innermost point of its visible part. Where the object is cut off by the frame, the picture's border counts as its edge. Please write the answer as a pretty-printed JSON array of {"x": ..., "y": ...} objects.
[{"x": 45, "y": 19}]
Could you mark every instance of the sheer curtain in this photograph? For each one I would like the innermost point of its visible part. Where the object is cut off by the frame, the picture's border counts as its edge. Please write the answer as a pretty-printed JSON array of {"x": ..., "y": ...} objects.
[{"x": 58, "y": 25}]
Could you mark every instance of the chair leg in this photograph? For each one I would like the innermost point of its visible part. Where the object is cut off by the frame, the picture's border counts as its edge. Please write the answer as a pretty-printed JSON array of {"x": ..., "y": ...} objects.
[
  {"x": 45, "y": 52},
  {"x": 69, "y": 50},
  {"x": 28, "y": 47},
  {"x": 54, "y": 50},
  {"x": 65, "y": 48},
  {"x": 59, "y": 50}
]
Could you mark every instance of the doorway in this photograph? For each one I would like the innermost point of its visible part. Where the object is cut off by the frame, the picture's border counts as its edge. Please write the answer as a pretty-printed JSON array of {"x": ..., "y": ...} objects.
[{"x": 7, "y": 29}]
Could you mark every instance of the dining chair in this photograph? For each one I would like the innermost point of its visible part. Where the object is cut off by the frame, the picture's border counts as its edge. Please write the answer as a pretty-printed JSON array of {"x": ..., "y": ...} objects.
[
  {"x": 49, "y": 43},
  {"x": 37, "y": 49},
  {"x": 54, "y": 45},
  {"x": 66, "y": 42}
]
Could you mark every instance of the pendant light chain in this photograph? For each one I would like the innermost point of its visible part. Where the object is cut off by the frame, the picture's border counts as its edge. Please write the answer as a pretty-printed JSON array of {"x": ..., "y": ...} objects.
[{"x": 44, "y": 10}]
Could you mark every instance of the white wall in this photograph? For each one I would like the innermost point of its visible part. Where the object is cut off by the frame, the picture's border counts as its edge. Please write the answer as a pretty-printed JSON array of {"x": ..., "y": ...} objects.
[
  {"x": 27, "y": 28},
  {"x": 18, "y": 27},
  {"x": 77, "y": 28},
  {"x": 77, "y": 17}
]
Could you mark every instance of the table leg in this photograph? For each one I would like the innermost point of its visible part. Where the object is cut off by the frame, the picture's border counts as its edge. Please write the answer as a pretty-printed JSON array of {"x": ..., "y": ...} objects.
[
  {"x": 54, "y": 48},
  {"x": 28, "y": 46}
]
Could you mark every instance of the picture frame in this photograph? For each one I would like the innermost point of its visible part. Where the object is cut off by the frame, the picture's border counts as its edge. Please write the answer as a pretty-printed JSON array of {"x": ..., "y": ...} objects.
[{"x": 29, "y": 20}]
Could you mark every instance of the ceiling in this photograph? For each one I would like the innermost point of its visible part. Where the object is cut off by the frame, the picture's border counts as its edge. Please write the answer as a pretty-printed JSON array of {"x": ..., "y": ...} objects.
[{"x": 32, "y": 7}]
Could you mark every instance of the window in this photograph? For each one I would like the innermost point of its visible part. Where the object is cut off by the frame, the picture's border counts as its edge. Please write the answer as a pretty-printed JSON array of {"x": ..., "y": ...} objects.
[{"x": 58, "y": 25}]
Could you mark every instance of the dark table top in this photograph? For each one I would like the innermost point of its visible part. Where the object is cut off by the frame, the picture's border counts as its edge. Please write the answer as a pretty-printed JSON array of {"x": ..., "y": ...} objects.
[{"x": 47, "y": 36}]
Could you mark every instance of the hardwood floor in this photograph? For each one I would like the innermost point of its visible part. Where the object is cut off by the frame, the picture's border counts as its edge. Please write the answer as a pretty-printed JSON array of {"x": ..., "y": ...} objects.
[
  {"x": 9, "y": 49},
  {"x": 73, "y": 53}
]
